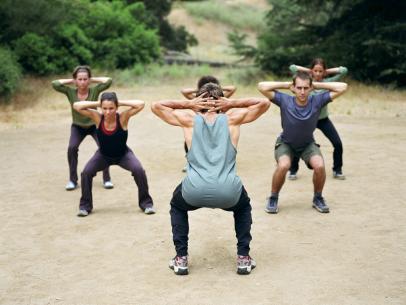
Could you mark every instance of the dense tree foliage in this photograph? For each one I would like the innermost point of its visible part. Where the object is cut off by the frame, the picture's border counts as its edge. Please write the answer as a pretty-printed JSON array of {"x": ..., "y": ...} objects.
[
  {"x": 10, "y": 73},
  {"x": 53, "y": 36},
  {"x": 172, "y": 37},
  {"x": 368, "y": 36}
]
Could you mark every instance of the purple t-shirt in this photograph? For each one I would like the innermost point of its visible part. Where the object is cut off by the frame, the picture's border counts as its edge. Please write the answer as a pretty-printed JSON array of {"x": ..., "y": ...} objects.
[{"x": 299, "y": 122}]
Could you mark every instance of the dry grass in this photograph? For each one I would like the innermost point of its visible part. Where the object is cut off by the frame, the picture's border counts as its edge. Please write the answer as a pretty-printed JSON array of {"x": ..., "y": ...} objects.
[
  {"x": 212, "y": 32},
  {"x": 38, "y": 102}
]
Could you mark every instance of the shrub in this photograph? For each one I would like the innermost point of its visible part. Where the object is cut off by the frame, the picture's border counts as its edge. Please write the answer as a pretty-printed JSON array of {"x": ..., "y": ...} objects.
[
  {"x": 36, "y": 54},
  {"x": 10, "y": 73}
]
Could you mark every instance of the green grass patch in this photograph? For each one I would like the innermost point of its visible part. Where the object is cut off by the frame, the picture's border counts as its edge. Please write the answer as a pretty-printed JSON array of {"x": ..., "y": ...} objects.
[
  {"x": 156, "y": 74},
  {"x": 187, "y": 75},
  {"x": 239, "y": 17}
]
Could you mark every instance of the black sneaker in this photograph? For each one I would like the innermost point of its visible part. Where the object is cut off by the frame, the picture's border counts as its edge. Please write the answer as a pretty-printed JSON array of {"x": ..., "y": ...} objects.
[
  {"x": 245, "y": 264},
  {"x": 179, "y": 265},
  {"x": 271, "y": 205},
  {"x": 320, "y": 205}
]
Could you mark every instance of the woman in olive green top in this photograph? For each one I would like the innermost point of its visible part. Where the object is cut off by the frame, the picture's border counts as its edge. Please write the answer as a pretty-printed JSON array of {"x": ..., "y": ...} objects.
[
  {"x": 318, "y": 70},
  {"x": 81, "y": 125}
]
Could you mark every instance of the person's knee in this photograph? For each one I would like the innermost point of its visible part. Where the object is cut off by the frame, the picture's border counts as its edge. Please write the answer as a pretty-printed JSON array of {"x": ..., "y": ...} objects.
[
  {"x": 88, "y": 172},
  {"x": 137, "y": 169},
  {"x": 317, "y": 163},
  {"x": 284, "y": 163}
]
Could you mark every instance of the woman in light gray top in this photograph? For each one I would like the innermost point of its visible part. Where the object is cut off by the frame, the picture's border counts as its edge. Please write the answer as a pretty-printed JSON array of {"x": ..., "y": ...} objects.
[{"x": 211, "y": 126}]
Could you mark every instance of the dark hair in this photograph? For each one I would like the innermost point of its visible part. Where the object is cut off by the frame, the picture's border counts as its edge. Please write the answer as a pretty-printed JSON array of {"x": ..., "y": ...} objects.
[
  {"x": 303, "y": 76},
  {"x": 82, "y": 69},
  {"x": 207, "y": 79},
  {"x": 318, "y": 61},
  {"x": 212, "y": 90},
  {"x": 109, "y": 96}
]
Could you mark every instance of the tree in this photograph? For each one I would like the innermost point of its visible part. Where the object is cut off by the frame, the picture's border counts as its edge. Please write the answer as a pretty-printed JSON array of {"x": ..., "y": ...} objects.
[
  {"x": 172, "y": 37},
  {"x": 368, "y": 36}
]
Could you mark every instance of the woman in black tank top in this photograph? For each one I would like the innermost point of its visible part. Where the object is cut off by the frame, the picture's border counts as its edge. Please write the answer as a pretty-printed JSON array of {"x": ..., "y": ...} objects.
[{"x": 112, "y": 134}]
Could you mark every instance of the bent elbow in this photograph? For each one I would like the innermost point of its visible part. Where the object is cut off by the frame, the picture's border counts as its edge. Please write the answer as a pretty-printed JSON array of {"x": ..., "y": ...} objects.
[
  {"x": 344, "y": 87},
  {"x": 261, "y": 86},
  {"x": 154, "y": 107}
]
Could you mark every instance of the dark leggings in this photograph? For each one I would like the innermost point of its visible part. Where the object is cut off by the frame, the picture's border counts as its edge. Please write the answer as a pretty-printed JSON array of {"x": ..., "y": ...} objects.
[
  {"x": 77, "y": 135},
  {"x": 180, "y": 222},
  {"x": 328, "y": 129},
  {"x": 129, "y": 162}
]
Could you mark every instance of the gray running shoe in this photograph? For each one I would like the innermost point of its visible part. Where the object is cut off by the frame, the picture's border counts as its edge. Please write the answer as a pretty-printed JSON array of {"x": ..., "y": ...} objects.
[
  {"x": 149, "y": 210},
  {"x": 320, "y": 205},
  {"x": 292, "y": 176},
  {"x": 338, "y": 175},
  {"x": 245, "y": 264},
  {"x": 83, "y": 213},
  {"x": 271, "y": 205},
  {"x": 71, "y": 186},
  {"x": 179, "y": 265}
]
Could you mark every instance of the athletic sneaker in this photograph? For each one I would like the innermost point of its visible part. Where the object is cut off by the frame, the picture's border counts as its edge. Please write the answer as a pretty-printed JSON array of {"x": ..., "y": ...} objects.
[
  {"x": 320, "y": 205},
  {"x": 292, "y": 176},
  {"x": 149, "y": 210},
  {"x": 83, "y": 213},
  {"x": 271, "y": 205},
  {"x": 108, "y": 185},
  {"x": 338, "y": 175},
  {"x": 71, "y": 186},
  {"x": 179, "y": 265},
  {"x": 245, "y": 264}
]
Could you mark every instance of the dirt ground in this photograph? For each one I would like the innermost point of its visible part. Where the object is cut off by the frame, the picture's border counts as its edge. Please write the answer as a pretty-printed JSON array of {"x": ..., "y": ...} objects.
[{"x": 118, "y": 255}]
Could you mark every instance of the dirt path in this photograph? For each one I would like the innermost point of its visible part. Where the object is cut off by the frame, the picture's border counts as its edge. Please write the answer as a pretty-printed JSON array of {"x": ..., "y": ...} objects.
[{"x": 118, "y": 255}]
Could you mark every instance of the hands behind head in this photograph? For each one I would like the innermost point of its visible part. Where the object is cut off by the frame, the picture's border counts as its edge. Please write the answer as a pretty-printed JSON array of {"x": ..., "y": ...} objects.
[{"x": 210, "y": 104}]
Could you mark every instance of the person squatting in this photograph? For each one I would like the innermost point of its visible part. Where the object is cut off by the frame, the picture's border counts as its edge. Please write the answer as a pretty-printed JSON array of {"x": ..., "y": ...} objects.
[{"x": 211, "y": 121}]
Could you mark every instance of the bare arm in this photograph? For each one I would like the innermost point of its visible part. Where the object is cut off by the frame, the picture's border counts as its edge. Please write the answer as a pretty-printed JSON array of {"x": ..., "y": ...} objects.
[
  {"x": 330, "y": 71},
  {"x": 100, "y": 79},
  {"x": 337, "y": 70},
  {"x": 135, "y": 107},
  {"x": 66, "y": 81},
  {"x": 229, "y": 90},
  {"x": 268, "y": 88},
  {"x": 244, "y": 110},
  {"x": 189, "y": 93},
  {"x": 87, "y": 108},
  {"x": 166, "y": 109},
  {"x": 335, "y": 88}
]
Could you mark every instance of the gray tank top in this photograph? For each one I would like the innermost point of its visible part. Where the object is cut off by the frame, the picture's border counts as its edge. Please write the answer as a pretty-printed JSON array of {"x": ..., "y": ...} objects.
[{"x": 211, "y": 179}]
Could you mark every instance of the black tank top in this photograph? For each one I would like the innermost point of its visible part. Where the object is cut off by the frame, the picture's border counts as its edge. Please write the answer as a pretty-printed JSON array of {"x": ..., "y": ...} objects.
[{"x": 113, "y": 144}]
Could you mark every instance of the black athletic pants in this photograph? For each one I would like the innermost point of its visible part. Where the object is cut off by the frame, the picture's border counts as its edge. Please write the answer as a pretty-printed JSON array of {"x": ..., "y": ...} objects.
[{"x": 180, "y": 223}]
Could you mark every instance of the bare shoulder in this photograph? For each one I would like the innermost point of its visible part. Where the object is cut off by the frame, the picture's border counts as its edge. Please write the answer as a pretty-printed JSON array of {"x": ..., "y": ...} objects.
[
  {"x": 184, "y": 116},
  {"x": 235, "y": 115}
]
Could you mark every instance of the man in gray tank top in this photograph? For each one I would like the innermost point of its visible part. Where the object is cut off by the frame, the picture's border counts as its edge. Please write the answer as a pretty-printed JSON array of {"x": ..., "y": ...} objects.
[
  {"x": 211, "y": 126},
  {"x": 299, "y": 116}
]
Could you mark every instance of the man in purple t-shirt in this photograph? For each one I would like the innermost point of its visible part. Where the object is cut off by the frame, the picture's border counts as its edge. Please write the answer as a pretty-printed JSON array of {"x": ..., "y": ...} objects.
[{"x": 299, "y": 115}]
